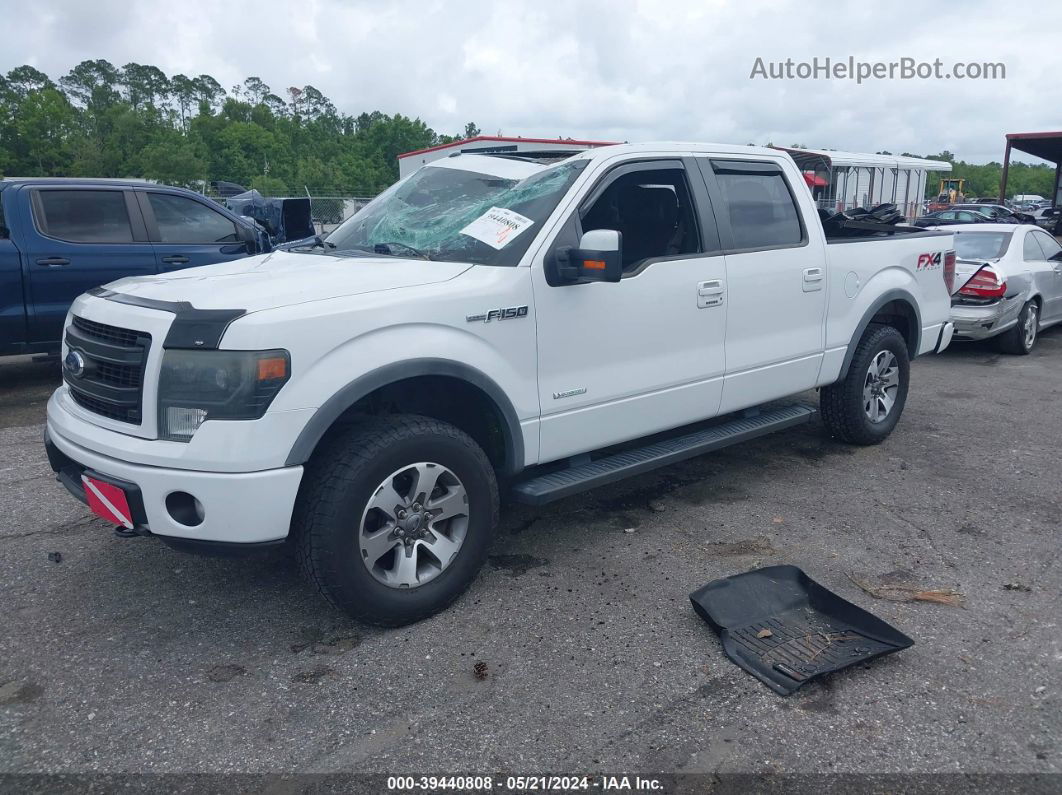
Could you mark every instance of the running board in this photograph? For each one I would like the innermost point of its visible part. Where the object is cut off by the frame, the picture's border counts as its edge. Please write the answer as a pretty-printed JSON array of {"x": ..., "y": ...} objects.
[{"x": 563, "y": 483}]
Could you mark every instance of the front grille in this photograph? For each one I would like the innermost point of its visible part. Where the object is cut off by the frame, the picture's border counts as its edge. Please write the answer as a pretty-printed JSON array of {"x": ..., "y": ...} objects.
[
  {"x": 114, "y": 358},
  {"x": 104, "y": 333},
  {"x": 104, "y": 408},
  {"x": 118, "y": 374}
]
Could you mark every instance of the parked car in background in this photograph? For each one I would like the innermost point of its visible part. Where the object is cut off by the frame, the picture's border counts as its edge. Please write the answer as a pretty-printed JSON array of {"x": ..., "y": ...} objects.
[
  {"x": 997, "y": 212},
  {"x": 62, "y": 237},
  {"x": 487, "y": 324},
  {"x": 1044, "y": 216},
  {"x": 1008, "y": 284},
  {"x": 950, "y": 217}
]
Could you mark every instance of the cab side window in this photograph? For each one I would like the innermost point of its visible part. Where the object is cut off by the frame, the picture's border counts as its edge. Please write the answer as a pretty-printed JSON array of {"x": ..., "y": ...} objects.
[
  {"x": 84, "y": 216},
  {"x": 653, "y": 211},
  {"x": 184, "y": 220},
  {"x": 762, "y": 208}
]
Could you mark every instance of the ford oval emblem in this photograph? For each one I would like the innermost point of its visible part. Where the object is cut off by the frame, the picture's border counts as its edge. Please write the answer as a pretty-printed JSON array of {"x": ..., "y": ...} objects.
[{"x": 74, "y": 364}]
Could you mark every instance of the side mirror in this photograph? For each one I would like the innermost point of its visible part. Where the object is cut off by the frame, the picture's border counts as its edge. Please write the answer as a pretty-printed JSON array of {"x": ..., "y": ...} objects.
[
  {"x": 248, "y": 234},
  {"x": 598, "y": 258}
]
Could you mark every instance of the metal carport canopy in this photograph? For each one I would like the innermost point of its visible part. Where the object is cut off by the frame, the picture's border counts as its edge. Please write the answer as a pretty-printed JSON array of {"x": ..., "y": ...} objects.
[
  {"x": 1044, "y": 145},
  {"x": 838, "y": 158}
]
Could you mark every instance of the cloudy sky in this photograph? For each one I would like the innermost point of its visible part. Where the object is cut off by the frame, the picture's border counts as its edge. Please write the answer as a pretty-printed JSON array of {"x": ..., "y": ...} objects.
[{"x": 606, "y": 69}]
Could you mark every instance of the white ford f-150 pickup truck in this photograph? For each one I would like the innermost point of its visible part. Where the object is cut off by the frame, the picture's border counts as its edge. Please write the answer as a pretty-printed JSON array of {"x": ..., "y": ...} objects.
[{"x": 490, "y": 325}]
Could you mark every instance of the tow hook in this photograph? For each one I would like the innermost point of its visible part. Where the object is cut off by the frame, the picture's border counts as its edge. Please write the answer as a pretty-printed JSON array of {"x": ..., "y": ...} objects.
[{"x": 136, "y": 532}]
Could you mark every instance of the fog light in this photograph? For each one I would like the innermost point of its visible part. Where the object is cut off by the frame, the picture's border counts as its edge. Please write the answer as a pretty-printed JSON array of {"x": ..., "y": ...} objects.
[
  {"x": 185, "y": 509},
  {"x": 181, "y": 422}
]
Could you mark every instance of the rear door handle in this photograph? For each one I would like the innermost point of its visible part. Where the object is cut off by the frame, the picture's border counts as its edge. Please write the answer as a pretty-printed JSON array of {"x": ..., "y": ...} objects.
[
  {"x": 175, "y": 259},
  {"x": 53, "y": 262},
  {"x": 710, "y": 293},
  {"x": 812, "y": 279}
]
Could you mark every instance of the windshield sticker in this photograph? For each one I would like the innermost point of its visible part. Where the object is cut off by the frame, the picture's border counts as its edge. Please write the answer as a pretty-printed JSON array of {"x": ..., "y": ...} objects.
[{"x": 497, "y": 227}]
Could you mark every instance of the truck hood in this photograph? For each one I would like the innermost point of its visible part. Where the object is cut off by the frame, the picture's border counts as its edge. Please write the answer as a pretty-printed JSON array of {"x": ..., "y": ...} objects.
[{"x": 283, "y": 278}]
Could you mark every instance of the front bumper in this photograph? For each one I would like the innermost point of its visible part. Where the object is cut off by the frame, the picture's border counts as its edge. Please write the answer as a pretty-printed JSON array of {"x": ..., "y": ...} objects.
[
  {"x": 237, "y": 508},
  {"x": 982, "y": 322}
]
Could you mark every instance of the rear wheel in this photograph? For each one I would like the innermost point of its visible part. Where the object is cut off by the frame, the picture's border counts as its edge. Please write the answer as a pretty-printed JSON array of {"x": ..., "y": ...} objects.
[
  {"x": 866, "y": 404},
  {"x": 396, "y": 518},
  {"x": 1021, "y": 338}
]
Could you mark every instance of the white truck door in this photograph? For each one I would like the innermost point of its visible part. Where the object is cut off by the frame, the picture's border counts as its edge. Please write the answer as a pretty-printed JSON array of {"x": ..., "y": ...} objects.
[
  {"x": 621, "y": 360},
  {"x": 776, "y": 280}
]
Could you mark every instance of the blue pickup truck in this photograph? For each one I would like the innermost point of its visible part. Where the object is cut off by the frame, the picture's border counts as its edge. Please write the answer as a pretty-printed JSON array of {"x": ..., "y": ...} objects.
[{"x": 60, "y": 237}]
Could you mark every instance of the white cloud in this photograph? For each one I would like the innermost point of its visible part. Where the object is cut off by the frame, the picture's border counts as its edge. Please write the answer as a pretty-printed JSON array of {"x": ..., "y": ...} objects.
[{"x": 614, "y": 70}]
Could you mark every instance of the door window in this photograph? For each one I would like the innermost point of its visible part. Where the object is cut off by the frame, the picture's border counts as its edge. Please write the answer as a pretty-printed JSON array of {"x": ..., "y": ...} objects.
[
  {"x": 653, "y": 211},
  {"x": 762, "y": 208},
  {"x": 1049, "y": 245},
  {"x": 84, "y": 216},
  {"x": 183, "y": 220}
]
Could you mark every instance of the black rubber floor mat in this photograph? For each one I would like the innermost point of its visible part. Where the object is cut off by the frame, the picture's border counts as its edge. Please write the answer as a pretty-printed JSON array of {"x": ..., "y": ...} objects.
[{"x": 785, "y": 629}]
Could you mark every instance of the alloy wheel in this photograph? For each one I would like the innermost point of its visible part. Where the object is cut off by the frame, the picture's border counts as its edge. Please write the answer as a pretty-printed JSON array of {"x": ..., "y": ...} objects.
[
  {"x": 881, "y": 386},
  {"x": 414, "y": 525}
]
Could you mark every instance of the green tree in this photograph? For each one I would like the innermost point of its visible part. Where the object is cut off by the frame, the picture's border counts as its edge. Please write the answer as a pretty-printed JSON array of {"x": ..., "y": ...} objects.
[
  {"x": 45, "y": 123},
  {"x": 175, "y": 160},
  {"x": 144, "y": 84}
]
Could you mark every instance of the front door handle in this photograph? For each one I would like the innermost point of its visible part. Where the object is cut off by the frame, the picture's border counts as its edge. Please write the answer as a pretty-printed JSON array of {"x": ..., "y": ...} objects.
[
  {"x": 710, "y": 293},
  {"x": 175, "y": 259},
  {"x": 53, "y": 262},
  {"x": 812, "y": 279}
]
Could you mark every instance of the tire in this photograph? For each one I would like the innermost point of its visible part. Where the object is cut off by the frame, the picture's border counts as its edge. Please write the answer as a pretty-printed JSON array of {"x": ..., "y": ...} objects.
[
  {"x": 848, "y": 405},
  {"x": 1020, "y": 339},
  {"x": 348, "y": 545}
]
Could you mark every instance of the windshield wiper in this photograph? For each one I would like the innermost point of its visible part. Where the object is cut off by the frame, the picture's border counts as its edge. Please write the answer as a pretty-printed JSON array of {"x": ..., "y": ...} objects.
[{"x": 385, "y": 248}]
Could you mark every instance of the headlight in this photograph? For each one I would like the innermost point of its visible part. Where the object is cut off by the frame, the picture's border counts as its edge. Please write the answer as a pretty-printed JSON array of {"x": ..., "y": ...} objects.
[{"x": 196, "y": 386}]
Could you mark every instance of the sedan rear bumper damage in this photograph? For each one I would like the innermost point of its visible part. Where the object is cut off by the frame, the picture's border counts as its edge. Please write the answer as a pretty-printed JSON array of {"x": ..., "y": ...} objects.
[{"x": 981, "y": 322}]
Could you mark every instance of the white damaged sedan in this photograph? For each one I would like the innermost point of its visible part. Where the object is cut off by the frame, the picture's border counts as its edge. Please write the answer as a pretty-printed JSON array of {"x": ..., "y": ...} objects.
[{"x": 1008, "y": 284}]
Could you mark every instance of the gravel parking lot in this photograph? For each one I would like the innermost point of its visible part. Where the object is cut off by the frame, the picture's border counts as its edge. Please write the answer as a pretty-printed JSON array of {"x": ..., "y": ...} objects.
[{"x": 122, "y": 655}]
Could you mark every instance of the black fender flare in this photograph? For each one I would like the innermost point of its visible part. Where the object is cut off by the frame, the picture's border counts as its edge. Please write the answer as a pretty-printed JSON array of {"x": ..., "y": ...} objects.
[
  {"x": 365, "y": 384},
  {"x": 887, "y": 297}
]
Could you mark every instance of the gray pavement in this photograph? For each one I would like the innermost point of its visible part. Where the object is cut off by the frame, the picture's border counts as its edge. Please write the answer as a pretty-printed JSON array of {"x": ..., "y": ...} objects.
[{"x": 122, "y": 655}]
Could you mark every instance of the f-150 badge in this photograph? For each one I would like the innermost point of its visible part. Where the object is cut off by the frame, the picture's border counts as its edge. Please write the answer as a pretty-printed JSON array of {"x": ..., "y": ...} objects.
[{"x": 498, "y": 314}]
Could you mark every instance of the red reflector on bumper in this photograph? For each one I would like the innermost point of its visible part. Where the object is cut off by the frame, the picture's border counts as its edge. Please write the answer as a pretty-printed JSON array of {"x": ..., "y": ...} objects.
[{"x": 108, "y": 502}]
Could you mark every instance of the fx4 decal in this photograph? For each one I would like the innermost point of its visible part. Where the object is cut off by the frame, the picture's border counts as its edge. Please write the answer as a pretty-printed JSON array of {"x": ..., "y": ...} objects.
[
  {"x": 928, "y": 262},
  {"x": 498, "y": 314}
]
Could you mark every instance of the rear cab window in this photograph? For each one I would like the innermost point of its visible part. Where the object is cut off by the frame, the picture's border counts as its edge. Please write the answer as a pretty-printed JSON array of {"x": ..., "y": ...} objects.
[
  {"x": 759, "y": 203},
  {"x": 83, "y": 216}
]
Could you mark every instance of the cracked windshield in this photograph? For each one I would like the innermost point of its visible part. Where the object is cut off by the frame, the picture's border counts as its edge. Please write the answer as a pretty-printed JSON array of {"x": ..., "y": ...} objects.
[{"x": 451, "y": 214}]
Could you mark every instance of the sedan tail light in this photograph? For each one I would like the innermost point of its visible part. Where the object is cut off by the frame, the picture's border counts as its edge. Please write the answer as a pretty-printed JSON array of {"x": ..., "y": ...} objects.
[
  {"x": 985, "y": 284},
  {"x": 949, "y": 270}
]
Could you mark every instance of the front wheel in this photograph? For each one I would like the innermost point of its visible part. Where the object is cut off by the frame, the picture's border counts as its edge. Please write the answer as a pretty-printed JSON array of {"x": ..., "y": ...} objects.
[
  {"x": 395, "y": 518},
  {"x": 866, "y": 404}
]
